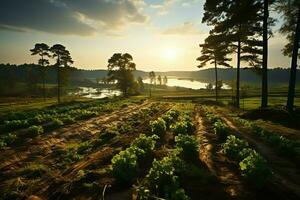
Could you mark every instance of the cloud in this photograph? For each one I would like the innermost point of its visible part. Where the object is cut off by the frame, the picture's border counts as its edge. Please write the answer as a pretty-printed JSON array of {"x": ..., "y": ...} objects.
[
  {"x": 164, "y": 7},
  {"x": 187, "y": 28},
  {"x": 70, "y": 17}
]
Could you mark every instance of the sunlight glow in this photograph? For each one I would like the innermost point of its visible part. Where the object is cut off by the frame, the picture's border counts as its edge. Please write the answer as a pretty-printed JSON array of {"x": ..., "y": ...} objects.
[{"x": 170, "y": 54}]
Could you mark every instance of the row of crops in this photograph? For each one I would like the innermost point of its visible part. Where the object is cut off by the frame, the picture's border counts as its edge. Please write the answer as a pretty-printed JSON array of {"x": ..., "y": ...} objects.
[
  {"x": 75, "y": 152},
  {"x": 162, "y": 179},
  {"x": 284, "y": 146},
  {"x": 250, "y": 163},
  {"x": 39, "y": 121},
  {"x": 62, "y": 158}
]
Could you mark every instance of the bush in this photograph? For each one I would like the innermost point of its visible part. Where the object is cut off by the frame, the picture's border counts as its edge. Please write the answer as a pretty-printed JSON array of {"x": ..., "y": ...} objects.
[
  {"x": 221, "y": 130},
  {"x": 233, "y": 146},
  {"x": 189, "y": 146},
  {"x": 34, "y": 131},
  {"x": 255, "y": 168},
  {"x": 124, "y": 166},
  {"x": 158, "y": 127}
]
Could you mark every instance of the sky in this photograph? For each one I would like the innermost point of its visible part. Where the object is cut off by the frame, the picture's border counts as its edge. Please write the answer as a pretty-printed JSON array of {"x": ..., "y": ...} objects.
[{"x": 160, "y": 35}]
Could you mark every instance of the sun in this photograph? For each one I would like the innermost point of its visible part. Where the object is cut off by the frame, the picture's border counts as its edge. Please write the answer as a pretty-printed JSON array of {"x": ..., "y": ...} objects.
[{"x": 170, "y": 53}]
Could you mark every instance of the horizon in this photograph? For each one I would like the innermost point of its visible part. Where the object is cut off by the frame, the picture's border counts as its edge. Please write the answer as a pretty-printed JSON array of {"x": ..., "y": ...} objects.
[{"x": 93, "y": 37}]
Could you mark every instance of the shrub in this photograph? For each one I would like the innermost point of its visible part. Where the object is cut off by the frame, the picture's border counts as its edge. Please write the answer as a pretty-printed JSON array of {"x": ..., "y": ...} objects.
[
  {"x": 189, "y": 146},
  {"x": 124, "y": 166},
  {"x": 255, "y": 168},
  {"x": 233, "y": 146},
  {"x": 34, "y": 131},
  {"x": 158, "y": 127},
  {"x": 221, "y": 130}
]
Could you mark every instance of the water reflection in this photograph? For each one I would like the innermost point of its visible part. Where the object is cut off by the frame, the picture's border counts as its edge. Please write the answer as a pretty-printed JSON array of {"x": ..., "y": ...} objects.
[
  {"x": 96, "y": 93},
  {"x": 185, "y": 83}
]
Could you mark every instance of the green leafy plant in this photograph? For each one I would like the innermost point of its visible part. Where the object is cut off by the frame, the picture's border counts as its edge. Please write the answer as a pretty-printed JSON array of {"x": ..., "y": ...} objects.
[
  {"x": 34, "y": 131},
  {"x": 233, "y": 146},
  {"x": 145, "y": 143},
  {"x": 183, "y": 127},
  {"x": 255, "y": 168},
  {"x": 221, "y": 130},
  {"x": 163, "y": 177},
  {"x": 7, "y": 140},
  {"x": 158, "y": 127},
  {"x": 124, "y": 166},
  {"x": 56, "y": 123},
  {"x": 189, "y": 146}
]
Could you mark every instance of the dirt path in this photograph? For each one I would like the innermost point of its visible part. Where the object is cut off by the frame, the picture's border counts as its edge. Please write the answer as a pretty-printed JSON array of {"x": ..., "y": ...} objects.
[
  {"x": 42, "y": 147},
  {"x": 217, "y": 163},
  {"x": 286, "y": 174}
]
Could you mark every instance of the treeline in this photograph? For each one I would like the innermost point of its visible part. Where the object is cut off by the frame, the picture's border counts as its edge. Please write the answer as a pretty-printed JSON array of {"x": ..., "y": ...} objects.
[{"x": 27, "y": 79}]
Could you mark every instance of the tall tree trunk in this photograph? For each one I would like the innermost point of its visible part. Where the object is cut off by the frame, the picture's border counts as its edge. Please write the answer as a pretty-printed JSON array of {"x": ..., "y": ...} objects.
[
  {"x": 292, "y": 83},
  {"x": 44, "y": 87},
  {"x": 58, "y": 79},
  {"x": 238, "y": 74},
  {"x": 216, "y": 85},
  {"x": 264, "y": 88}
]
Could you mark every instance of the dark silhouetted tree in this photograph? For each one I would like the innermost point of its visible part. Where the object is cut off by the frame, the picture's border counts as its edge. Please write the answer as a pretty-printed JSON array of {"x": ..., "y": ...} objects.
[
  {"x": 63, "y": 59},
  {"x": 120, "y": 68},
  {"x": 141, "y": 83},
  {"x": 42, "y": 50},
  {"x": 291, "y": 28},
  {"x": 240, "y": 24},
  {"x": 165, "y": 80},
  {"x": 152, "y": 78},
  {"x": 159, "y": 80},
  {"x": 215, "y": 51}
]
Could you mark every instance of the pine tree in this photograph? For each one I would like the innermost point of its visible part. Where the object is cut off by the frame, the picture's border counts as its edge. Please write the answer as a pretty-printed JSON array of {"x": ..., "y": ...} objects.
[
  {"x": 215, "y": 51},
  {"x": 240, "y": 24}
]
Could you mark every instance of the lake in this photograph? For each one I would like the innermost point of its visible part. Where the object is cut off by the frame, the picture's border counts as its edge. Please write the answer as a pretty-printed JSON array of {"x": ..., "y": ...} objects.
[
  {"x": 96, "y": 93},
  {"x": 185, "y": 83},
  {"x": 100, "y": 93}
]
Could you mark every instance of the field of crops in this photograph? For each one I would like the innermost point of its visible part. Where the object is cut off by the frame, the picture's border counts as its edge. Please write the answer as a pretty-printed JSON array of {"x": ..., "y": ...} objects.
[{"x": 145, "y": 149}]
